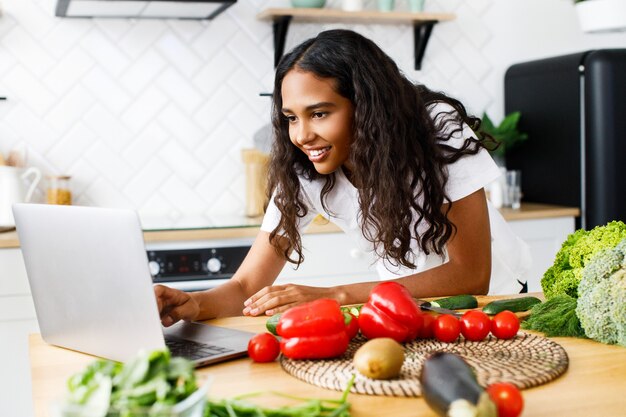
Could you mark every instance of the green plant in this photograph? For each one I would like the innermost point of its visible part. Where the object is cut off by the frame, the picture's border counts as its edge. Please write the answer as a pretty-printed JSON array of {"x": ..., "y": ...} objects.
[{"x": 505, "y": 134}]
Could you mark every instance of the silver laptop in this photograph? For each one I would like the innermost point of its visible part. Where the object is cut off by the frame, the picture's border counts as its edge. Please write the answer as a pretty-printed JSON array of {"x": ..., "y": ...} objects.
[{"x": 92, "y": 289}]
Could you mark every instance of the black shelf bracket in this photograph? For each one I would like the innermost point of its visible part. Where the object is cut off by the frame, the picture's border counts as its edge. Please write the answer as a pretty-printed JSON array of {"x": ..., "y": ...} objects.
[
  {"x": 421, "y": 35},
  {"x": 280, "y": 27}
]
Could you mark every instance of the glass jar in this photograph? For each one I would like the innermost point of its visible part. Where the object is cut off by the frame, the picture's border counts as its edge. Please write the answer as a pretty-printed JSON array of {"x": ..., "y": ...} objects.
[{"x": 58, "y": 191}]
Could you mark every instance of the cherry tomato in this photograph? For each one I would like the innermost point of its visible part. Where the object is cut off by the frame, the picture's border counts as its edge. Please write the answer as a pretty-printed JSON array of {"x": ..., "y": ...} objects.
[
  {"x": 504, "y": 325},
  {"x": 475, "y": 325},
  {"x": 352, "y": 324},
  {"x": 446, "y": 328},
  {"x": 427, "y": 330},
  {"x": 263, "y": 347},
  {"x": 507, "y": 398}
]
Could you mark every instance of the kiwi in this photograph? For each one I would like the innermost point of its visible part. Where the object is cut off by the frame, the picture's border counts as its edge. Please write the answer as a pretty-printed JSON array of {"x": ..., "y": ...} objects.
[{"x": 379, "y": 358}]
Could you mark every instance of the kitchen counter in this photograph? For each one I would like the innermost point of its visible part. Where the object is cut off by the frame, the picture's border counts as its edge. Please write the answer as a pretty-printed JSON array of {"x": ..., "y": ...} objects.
[
  {"x": 593, "y": 385},
  {"x": 528, "y": 211}
]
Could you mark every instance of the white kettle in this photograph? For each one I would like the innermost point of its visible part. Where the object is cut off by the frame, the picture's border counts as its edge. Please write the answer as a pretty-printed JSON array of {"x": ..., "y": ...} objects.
[{"x": 13, "y": 190}]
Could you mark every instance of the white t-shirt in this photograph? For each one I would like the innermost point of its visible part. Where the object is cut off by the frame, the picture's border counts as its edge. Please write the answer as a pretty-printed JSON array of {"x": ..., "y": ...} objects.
[{"x": 510, "y": 255}]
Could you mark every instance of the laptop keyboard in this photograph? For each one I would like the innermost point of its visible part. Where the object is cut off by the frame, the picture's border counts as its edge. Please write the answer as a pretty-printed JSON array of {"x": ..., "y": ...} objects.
[{"x": 194, "y": 350}]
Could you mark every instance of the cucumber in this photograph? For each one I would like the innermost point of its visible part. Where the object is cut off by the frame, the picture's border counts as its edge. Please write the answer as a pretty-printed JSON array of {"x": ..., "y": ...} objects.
[
  {"x": 456, "y": 302},
  {"x": 271, "y": 324},
  {"x": 513, "y": 304}
]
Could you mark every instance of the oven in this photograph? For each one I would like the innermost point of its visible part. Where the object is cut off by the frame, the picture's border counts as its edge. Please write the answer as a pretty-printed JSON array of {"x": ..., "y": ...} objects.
[{"x": 196, "y": 265}]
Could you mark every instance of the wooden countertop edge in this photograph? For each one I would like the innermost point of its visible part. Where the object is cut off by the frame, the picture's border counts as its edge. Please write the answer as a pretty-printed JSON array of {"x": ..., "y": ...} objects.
[{"x": 528, "y": 211}]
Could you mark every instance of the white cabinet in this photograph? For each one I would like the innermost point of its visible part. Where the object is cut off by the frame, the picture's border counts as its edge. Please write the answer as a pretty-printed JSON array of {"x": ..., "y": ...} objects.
[
  {"x": 545, "y": 237},
  {"x": 330, "y": 259},
  {"x": 17, "y": 320}
]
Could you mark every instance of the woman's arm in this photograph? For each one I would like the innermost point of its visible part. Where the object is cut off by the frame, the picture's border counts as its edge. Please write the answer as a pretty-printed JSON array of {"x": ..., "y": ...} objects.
[
  {"x": 467, "y": 272},
  {"x": 259, "y": 269}
]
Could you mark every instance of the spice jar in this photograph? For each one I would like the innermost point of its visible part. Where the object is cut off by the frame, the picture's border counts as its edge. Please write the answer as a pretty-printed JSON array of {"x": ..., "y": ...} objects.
[{"x": 58, "y": 191}]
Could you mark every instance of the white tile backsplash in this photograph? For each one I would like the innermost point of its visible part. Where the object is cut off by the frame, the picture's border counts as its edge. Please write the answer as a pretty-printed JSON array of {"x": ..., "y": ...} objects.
[
  {"x": 105, "y": 52},
  {"x": 179, "y": 89},
  {"x": 107, "y": 88},
  {"x": 108, "y": 127},
  {"x": 142, "y": 72},
  {"x": 29, "y": 90},
  {"x": 153, "y": 114}
]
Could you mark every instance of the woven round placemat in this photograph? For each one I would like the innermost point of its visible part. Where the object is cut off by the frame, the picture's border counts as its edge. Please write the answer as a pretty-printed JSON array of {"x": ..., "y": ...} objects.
[{"x": 526, "y": 361}]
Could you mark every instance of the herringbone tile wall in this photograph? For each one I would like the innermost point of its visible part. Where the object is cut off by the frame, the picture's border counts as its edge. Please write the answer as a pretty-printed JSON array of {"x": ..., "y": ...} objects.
[{"x": 153, "y": 114}]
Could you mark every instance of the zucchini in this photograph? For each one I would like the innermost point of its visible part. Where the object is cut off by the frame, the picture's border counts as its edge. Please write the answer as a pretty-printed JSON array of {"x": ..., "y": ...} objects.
[
  {"x": 450, "y": 388},
  {"x": 456, "y": 302},
  {"x": 513, "y": 304},
  {"x": 271, "y": 323}
]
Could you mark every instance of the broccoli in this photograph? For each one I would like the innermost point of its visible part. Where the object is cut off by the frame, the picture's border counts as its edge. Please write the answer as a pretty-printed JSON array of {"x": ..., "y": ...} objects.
[
  {"x": 564, "y": 276},
  {"x": 601, "y": 306}
]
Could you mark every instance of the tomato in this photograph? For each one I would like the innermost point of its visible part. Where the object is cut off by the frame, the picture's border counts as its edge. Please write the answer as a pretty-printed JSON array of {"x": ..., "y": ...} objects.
[
  {"x": 263, "y": 347},
  {"x": 507, "y": 398},
  {"x": 352, "y": 324},
  {"x": 475, "y": 325},
  {"x": 427, "y": 330},
  {"x": 504, "y": 325},
  {"x": 446, "y": 328}
]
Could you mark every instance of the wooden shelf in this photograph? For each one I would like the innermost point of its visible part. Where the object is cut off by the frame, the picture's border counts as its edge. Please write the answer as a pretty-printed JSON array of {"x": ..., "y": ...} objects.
[{"x": 422, "y": 24}]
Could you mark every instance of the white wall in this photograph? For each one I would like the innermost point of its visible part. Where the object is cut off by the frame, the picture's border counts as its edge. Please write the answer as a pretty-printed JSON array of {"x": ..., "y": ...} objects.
[{"x": 152, "y": 114}]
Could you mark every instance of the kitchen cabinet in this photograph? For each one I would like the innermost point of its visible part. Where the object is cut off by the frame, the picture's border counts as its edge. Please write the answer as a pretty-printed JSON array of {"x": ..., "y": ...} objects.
[
  {"x": 423, "y": 24},
  {"x": 17, "y": 321}
]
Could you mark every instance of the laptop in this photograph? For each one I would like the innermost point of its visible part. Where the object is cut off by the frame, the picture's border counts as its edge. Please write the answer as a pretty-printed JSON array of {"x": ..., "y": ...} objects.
[{"x": 88, "y": 273}]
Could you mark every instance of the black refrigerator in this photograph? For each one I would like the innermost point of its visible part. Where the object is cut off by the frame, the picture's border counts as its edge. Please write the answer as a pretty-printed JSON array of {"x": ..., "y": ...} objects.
[{"x": 574, "y": 110}]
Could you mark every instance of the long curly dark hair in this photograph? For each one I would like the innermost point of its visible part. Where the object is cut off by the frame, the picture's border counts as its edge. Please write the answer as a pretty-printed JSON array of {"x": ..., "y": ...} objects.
[{"x": 398, "y": 154}]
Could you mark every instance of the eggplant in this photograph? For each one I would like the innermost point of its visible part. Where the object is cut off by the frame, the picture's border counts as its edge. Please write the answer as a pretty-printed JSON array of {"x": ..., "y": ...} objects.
[{"x": 450, "y": 388}]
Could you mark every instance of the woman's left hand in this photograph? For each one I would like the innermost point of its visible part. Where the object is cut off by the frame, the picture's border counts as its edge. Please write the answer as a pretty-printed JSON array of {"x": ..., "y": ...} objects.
[{"x": 278, "y": 298}]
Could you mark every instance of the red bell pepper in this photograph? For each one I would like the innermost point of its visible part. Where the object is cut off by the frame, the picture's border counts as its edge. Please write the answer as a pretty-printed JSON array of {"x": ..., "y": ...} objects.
[
  {"x": 390, "y": 312},
  {"x": 314, "y": 330}
]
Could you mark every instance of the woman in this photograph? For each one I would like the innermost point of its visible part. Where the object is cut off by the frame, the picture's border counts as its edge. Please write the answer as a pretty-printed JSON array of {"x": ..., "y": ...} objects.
[{"x": 395, "y": 165}]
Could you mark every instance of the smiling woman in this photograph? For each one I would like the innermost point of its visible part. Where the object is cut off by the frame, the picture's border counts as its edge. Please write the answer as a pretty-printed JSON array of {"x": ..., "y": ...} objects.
[
  {"x": 320, "y": 120},
  {"x": 395, "y": 165}
]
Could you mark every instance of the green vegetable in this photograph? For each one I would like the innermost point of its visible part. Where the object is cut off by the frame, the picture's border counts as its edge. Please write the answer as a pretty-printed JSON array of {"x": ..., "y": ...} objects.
[
  {"x": 555, "y": 317},
  {"x": 153, "y": 380},
  {"x": 513, "y": 304},
  {"x": 601, "y": 305},
  {"x": 271, "y": 323},
  {"x": 578, "y": 249},
  {"x": 309, "y": 407},
  {"x": 456, "y": 302}
]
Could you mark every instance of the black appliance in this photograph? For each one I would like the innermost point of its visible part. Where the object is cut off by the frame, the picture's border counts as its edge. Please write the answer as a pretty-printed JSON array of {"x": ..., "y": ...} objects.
[
  {"x": 192, "y": 266},
  {"x": 574, "y": 110}
]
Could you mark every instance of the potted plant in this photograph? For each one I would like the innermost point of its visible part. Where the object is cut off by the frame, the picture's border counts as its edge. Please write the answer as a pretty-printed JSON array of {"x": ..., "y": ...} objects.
[
  {"x": 506, "y": 135},
  {"x": 601, "y": 15}
]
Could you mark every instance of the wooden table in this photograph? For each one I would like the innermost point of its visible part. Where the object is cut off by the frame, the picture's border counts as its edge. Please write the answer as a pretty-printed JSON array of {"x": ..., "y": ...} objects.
[{"x": 594, "y": 384}]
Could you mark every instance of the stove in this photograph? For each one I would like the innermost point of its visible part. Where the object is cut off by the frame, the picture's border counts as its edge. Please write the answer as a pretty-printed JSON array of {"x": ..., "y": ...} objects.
[{"x": 196, "y": 265}]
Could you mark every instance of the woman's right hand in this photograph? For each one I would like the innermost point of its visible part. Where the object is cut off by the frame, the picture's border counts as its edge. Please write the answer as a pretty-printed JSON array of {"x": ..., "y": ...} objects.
[{"x": 175, "y": 305}]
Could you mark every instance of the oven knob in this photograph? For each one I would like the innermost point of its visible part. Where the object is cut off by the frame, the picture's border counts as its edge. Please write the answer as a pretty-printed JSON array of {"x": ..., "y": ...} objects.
[
  {"x": 155, "y": 268},
  {"x": 214, "y": 265}
]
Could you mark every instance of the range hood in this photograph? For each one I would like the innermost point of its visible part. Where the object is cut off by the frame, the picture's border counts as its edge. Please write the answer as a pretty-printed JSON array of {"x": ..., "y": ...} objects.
[{"x": 165, "y": 9}]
